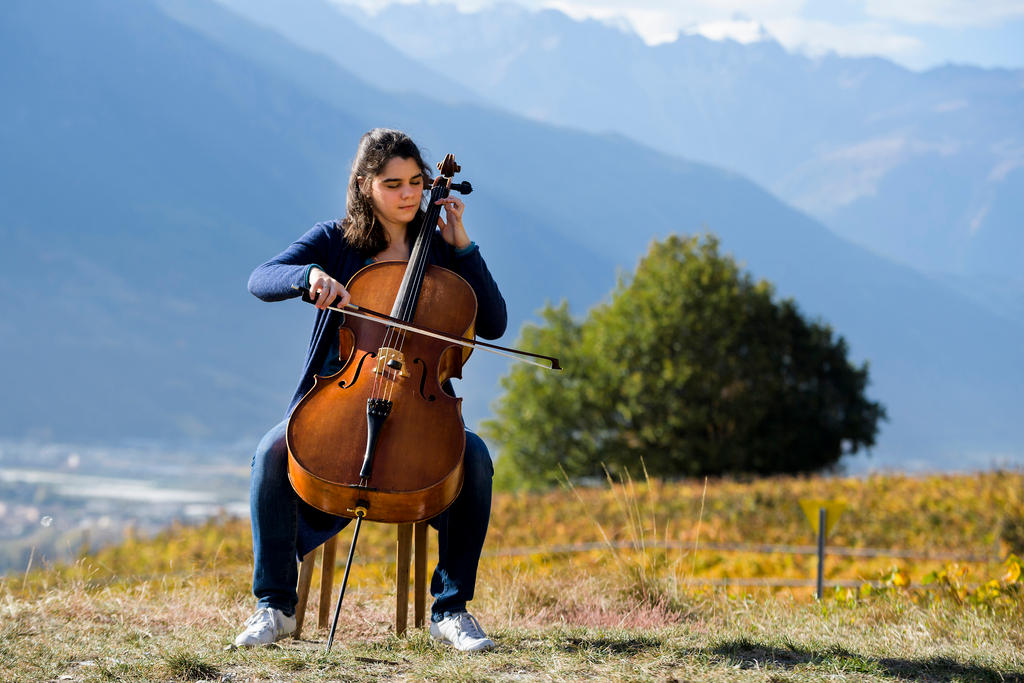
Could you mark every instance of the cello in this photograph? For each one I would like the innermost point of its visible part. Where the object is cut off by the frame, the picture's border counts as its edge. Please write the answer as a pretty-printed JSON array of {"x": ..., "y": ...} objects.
[{"x": 382, "y": 439}]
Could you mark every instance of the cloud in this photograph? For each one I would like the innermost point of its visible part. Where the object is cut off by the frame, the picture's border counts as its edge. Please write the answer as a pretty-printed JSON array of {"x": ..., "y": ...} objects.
[
  {"x": 748, "y": 21},
  {"x": 672, "y": 12},
  {"x": 674, "y": 15},
  {"x": 896, "y": 30},
  {"x": 740, "y": 30},
  {"x": 659, "y": 21},
  {"x": 653, "y": 24},
  {"x": 946, "y": 13},
  {"x": 858, "y": 39},
  {"x": 812, "y": 37}
]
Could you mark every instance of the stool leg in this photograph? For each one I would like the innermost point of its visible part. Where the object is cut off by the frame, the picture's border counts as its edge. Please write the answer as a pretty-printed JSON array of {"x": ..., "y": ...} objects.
[
  {"x": 419, "y": 591},
  {"x": 327, "y": 580},
  {"x": 402, "y": 578},
  {"x": 305, "y": 575}
]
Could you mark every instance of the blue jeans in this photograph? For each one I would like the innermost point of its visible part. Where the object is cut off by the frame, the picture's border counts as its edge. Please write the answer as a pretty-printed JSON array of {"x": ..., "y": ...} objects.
[{"x": 278, "y": 516}]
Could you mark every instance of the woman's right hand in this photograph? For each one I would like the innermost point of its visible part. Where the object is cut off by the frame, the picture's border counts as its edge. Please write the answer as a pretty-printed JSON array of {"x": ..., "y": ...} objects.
[{"x": 325, "y": 291}]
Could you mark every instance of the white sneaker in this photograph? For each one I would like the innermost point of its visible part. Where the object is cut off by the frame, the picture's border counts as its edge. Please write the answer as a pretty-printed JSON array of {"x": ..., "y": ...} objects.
[
  {"x": 462, "y": 631},
  {"x": 265, "y": 627}
]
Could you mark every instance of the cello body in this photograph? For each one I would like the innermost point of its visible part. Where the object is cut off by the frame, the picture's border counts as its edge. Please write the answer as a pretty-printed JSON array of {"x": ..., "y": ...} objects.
[{"x": 382, "y": 438}]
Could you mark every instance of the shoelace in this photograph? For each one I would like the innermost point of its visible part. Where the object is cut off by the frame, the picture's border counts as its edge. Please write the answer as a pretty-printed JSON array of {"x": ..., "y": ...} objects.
[
  {"x": 262, "y": 615},
  {"x": 474, "y": 630}
]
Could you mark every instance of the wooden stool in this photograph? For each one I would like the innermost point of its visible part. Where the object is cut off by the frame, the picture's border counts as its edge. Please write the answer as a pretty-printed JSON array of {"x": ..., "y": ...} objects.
[{"x": 405, "y": 535}]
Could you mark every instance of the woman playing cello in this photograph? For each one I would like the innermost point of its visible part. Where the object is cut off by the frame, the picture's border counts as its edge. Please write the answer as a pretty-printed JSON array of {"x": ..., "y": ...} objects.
[{"x": 383, "y": 211}]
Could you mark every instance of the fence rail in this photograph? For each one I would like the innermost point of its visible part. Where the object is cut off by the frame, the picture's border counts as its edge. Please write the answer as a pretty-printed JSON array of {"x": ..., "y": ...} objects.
[{"x": 763, "y": 548}]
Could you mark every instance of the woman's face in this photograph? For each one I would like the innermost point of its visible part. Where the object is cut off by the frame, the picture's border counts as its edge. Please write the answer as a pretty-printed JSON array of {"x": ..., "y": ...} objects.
[{"x": 396, "y": 191}]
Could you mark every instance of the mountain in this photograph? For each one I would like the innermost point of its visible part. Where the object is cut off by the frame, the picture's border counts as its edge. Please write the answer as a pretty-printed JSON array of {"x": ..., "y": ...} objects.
[
  {"x": 147, "y": 170},
  {"x": 924, "y": 168},
  {"x": 152, "y": 159}
]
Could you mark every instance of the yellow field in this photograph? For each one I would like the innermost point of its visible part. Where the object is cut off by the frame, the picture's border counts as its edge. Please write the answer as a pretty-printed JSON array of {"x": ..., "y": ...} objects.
[
  {"x": 895, "y": 528},
  {"x": 620, "y": 581}
]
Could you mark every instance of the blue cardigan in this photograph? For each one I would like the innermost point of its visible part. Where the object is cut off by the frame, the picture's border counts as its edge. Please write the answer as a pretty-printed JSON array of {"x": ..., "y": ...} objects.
[{"x": 325, "y": 246}]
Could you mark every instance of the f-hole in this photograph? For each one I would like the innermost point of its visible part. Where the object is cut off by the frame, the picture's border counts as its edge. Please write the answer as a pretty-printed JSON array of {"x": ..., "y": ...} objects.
[
  {"x": 423, "y": 379},
  {"x": 368, "y": 354}
]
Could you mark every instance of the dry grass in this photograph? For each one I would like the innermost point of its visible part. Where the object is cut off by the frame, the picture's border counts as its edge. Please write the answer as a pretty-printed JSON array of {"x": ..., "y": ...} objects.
[
  {"x": 166, "y": 609},
  {"x": 561, "y": 629}
]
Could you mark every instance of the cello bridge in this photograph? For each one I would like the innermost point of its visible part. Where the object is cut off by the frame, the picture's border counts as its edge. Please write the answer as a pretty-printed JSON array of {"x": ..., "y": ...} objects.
[{"x": 390, "y": 359}]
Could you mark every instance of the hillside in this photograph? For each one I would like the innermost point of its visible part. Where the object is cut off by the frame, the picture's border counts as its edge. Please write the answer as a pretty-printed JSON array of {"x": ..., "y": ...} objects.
[{"x": 600, "y": 583}]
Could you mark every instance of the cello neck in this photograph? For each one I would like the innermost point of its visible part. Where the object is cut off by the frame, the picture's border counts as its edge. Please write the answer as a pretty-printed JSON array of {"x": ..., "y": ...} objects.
[
  {"x": 408, "y": 295},
  {"x": 404, "y": 307}
]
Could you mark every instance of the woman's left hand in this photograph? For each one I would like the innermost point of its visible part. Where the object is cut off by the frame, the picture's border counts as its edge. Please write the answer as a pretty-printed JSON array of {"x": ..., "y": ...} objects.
[{"x": 452, "y": 230}]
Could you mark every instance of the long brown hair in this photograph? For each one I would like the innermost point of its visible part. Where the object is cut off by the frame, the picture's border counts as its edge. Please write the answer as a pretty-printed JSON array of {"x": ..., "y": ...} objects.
[{"x": 376, "y": 149}]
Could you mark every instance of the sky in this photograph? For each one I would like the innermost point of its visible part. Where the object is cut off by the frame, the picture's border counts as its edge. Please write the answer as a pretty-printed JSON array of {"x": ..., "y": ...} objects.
[{"x": 918, "y": 34}]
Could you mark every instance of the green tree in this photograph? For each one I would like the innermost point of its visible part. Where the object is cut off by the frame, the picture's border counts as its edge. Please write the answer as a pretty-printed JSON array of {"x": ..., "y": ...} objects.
[{"x": 690, "y": 366}]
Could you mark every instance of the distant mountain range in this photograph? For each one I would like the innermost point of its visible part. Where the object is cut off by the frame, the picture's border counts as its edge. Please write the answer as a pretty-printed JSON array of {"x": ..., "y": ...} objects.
[
  {"x": 924, "y": 168},
  {"x": 155, "y": 152}
]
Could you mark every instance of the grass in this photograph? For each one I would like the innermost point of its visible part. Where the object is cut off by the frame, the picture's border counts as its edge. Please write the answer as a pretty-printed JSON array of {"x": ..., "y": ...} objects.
[
  {"x": 183, "y": 635},
  {"x": 167, "y": 608}
]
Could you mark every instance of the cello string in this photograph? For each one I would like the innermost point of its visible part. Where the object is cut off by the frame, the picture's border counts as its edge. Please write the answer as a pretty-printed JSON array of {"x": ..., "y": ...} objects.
[
  {"x": 419, "y": 268},
  {"x": 395, "y": 338},
  {"x": 384, "y": 376},
  {"x": 378, "y": 390}
]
